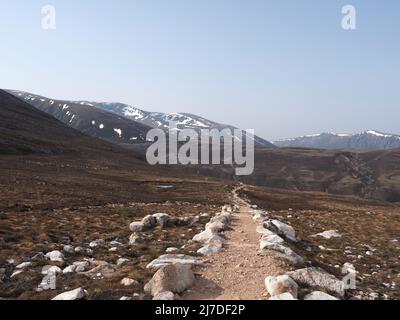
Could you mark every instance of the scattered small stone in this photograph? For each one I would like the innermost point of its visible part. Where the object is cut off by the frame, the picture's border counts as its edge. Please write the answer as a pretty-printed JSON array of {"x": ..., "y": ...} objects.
[
  {"x": 127, "y": 282},
  {"x": 97, "y": 243},
  {"x": 171, "y": 250}
]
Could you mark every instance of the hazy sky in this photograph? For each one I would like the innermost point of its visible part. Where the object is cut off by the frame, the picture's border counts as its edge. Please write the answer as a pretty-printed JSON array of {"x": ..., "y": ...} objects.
[{"x": 285, "y": 68}]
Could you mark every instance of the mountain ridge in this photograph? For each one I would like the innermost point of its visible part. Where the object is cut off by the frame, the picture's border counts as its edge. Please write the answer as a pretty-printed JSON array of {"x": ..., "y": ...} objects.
[
  {"x": 122, "y": 123},
  {"x": 367, "y": 140}
]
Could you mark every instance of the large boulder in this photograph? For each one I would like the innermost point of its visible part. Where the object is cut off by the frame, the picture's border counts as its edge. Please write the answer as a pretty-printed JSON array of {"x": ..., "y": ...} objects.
[
  {"x": 76, "y": 294},
  {"x": 319, "y": 295},
  {"x": 175, "y": 278},
  {"x": 316, "y": 277},
  {"x": 281, "y": 229},
  {"x": 213, "y": 246},
  {"x": 269, "y": 240},
  {"x": 168, "y": 259},
  {"x": 204, "y": 237},
  {"x": 216, "y": 226},
  {"x": 281, "y": 284}
]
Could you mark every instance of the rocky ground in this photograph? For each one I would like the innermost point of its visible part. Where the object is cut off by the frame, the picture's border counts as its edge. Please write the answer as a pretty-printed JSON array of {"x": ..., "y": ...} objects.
[
  {"x": 92, "y": 237},
  {"x": 337, "y": 232}
]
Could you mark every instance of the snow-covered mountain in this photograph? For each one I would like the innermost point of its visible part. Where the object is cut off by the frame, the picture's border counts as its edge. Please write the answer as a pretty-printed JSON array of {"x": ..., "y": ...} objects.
[
  {"x": 162, "y": 120},
  {"x": 368, "y": 140},
  {"x": 118, "y": 122}
]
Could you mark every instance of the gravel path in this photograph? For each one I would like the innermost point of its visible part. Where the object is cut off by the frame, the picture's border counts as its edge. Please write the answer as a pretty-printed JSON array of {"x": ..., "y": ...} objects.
[{"x": 239, "y": 271}]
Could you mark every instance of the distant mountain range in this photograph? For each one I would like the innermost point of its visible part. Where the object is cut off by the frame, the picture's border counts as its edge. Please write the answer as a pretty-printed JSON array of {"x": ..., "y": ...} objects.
[
  {"x": 369, "y": 140},
  {"x": 118, "y": 122}
]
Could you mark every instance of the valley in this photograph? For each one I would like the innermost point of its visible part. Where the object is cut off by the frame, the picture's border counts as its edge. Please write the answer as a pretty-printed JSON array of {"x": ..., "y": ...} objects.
[{"x": 106, "y": 223}]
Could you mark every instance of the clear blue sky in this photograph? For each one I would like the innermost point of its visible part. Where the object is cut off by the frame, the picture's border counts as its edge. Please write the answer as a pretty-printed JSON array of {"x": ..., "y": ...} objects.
[{"x": 284, "y": 68}]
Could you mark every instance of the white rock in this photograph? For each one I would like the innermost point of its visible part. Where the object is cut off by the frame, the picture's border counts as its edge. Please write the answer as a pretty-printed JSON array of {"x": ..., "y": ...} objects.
[
  {"x": 213, "y": 246},
  {"x": 136, "y": 226},
  {"x": 348, "y": 268},
  {"x": 162, "y": 219},
  {"x": 168, "y": 259},
  {"x": 281, "y": 284},
  {"x": 97, "y": 243},
  {"x": 316, "y": 277},
  {"x": 281, "y": 229},
  {"x": 16, "y": 273},
  {"x": 216, "y": 226},
  {"x": 127, "y": 282},
  {"x": 56, "y": 256},
  {"x": 76, "y": 294},
  {"x": 81, "y": 266},
  {"x": 284, "y": 252},
  {"x": 204, "y": 236},
  {"x": 174, "y": 277},
  {"x": 148, "y": 222},
  {"x": 319, "y": 295},
  {"x": 113, "y": 249},
  {"x": 135, "y": 238},
  {"x": 164, "y": 296},
  {"x": 50, "y": 270},
  {"x": 69, "y": 269},
  {"x": 328, "y": 234},
  {"x": 267, "y": 241},
  {"x": 24, "y": 265},
  {"x": 68, "y": 249},
  {"x": 171, "y": 250},
  {"x": 48, "y": 283},
  {"x": 283, "y": 296},
  {"x": 121, "y": 261}
]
